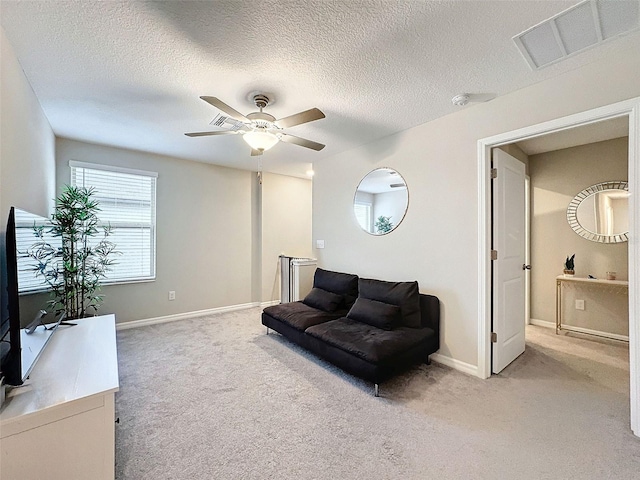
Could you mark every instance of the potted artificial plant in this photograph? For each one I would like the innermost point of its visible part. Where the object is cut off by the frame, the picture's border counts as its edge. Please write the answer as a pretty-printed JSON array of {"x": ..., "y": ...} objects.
[
  {"x": 74, "y": 269},
  {"x": 383, "y": 225},
  {"x": 569, "y": 265}
]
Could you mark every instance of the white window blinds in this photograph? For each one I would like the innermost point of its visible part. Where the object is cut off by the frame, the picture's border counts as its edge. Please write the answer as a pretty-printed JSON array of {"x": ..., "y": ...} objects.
[
  {"x": 127, "y": 203},
  {"x": 363, "y": 215},
  {"x": 28, "y": 281}
]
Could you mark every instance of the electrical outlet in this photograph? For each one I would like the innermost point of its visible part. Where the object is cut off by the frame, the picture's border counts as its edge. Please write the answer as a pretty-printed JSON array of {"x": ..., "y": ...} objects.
[
  {"x": 172, "y": 295},
  {"x": 319, "y": 243},
  {"x": 579, "y": 304}
]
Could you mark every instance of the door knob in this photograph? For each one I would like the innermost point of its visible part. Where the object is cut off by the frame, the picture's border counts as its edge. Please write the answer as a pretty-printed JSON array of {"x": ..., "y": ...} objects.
[{"x": 526, "y": 267}]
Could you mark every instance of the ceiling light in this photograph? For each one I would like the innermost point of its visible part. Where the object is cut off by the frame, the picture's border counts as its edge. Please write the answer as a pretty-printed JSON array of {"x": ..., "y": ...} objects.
[
  {"x": 260, "y": 139},
  {"x": 310, "y": 173}
]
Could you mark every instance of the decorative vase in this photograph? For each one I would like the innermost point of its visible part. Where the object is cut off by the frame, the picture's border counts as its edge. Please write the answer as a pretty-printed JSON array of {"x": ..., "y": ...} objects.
[{"x": 569, "y": 273}]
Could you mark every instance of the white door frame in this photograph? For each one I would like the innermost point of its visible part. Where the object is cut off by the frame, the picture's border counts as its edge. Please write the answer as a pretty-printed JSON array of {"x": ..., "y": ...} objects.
[{"x": 630, "y": 108}]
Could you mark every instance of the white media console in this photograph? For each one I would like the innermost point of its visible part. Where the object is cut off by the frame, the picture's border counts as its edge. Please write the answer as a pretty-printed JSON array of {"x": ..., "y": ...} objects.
[{"x": 60, "y": 423}]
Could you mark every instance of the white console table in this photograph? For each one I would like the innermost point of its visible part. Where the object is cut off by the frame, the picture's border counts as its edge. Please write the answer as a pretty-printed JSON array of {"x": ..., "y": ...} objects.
[
  {"x": 60, "y": 423},
  {"x": 616, "y": 285}
]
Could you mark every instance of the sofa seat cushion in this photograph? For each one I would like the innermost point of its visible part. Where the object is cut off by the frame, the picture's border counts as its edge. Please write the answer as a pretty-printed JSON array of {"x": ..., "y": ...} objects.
[
  {"x": 300, "y": 316},
  {"x": 370, "y": 343}
]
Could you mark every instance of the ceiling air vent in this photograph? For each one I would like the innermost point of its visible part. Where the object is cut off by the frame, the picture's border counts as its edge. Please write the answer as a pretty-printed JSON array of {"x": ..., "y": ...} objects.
[
  {"x": 583, "y": 26},
  {"x": 226, "y": 123}
]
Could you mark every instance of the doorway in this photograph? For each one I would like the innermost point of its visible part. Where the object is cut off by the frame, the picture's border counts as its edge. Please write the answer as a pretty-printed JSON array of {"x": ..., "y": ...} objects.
[
  {"x": 593, "y": 307},
  {"x": 630, "y": 109}
]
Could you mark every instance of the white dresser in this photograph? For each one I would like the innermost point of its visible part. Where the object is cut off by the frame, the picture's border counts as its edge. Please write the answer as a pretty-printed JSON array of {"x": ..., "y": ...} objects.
[{"x": 60, "y": 424}]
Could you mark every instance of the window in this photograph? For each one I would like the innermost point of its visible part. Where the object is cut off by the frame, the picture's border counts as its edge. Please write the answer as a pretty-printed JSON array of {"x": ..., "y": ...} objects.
[
  {"x": 127, "y": 203},
  {"x": 28, "y": 281},
  {"x": 363, "y": 215}
]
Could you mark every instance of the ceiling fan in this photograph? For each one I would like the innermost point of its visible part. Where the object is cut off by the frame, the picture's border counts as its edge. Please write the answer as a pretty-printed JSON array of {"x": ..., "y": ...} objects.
[{"x": 261, "y": 130}]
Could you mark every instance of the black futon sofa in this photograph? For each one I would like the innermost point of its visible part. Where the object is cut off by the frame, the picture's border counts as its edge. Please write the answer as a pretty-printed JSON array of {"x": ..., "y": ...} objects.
[{"x": 369, "y": 328}]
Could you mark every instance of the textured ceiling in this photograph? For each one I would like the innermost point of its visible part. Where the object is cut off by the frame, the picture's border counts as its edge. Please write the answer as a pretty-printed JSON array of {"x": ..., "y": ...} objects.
[{"x": 129, "y": 74}]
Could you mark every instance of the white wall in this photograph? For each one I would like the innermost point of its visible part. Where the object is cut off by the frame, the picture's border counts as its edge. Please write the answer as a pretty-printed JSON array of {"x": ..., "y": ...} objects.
[
  {"x": 556, "y": 177},
  {"x": 204, "y": 234},
  {"x": 27, "y": 148},
  {"x": 286, "y": 226},
  {"x": 438, "y": 241},
  {"x": 27, "y": 143}
]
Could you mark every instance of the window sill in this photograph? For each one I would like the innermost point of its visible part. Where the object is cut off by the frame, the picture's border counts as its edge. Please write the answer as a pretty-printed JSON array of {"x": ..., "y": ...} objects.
[{"x": 105, "y": 284}]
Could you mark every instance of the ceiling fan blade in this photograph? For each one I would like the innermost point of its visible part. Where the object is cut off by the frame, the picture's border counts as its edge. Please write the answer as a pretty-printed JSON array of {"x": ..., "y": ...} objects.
[
  {"x": 300, "y": 118},
  {"x": 255, "y": 153},
  {"x": 206, "y": 134},
  {"x": 303, "y": 142},
  {"x": 219, "y": 104}
]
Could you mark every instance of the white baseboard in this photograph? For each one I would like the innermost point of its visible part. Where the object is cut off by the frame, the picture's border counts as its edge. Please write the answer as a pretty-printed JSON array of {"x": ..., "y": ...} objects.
[
  {"x": 455, "y": 364},
  {"x": 270, "y": 303},
  {"x": 598, "y": 333},
  {"x": 183, "y": 316},
  {"x": 542, "y": 323},
  {"x": 570, "y": 328}
]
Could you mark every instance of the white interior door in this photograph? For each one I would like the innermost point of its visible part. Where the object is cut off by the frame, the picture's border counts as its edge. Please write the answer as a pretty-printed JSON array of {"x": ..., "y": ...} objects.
[{"x": 508, "y": 268}]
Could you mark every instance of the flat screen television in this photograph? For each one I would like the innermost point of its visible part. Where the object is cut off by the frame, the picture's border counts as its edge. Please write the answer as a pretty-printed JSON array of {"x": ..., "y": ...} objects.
[
  {"x": 10, "y": 355},
  {"x": 20, "y": 347}
]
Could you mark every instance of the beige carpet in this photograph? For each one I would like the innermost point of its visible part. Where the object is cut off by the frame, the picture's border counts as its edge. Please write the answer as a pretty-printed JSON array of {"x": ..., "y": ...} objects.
[{"x": 216, "y": 398}]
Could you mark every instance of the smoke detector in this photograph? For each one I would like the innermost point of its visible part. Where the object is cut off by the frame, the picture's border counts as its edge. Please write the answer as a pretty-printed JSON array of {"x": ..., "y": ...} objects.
[{"x": 461, "y": 100}]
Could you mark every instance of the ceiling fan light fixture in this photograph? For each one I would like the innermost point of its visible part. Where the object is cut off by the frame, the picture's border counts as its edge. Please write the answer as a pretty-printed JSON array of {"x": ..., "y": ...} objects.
[
  {"x": 261, "y": 130},
  {"x": 260, "y": 139}
]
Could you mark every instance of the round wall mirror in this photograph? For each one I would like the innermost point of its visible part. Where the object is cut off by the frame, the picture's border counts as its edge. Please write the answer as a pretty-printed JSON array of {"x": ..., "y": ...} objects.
[
  {"x": 381, "y": 201},
  {"x": 600, "y": 213}
]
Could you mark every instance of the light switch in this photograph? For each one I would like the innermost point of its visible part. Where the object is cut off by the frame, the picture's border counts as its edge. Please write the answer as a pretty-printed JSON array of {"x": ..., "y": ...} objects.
[{"x": 319, "y": 243}]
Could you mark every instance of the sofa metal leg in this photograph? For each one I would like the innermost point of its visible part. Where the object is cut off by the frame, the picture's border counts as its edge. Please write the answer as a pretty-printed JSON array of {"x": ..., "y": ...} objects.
[
  {"x": 267, "y": 330},
  {"x": 428, "y": 362},
  {"x": 376, "y": 391}
]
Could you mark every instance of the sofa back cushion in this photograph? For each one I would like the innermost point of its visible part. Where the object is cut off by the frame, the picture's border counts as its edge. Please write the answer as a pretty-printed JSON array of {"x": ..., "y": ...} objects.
[
  {"x": 402, "y": 294},
  {"x": 374, "y": 313},
  {"x": 343, "y": 284},
  {"x": 323, "y": 300}
]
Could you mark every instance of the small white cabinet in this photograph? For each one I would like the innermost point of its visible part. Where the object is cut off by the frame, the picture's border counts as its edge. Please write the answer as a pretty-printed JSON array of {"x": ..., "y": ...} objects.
[{"x": 60, "y": 424}]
